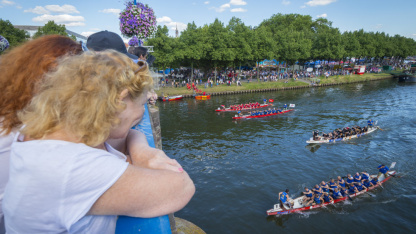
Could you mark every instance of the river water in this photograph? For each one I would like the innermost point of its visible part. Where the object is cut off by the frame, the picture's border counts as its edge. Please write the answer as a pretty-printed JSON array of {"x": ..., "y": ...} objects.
[{"x": 239, "y": 167}]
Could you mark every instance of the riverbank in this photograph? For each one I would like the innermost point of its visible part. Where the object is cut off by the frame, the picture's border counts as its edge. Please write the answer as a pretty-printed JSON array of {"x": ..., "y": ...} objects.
[{"x": 256, "y": 86}]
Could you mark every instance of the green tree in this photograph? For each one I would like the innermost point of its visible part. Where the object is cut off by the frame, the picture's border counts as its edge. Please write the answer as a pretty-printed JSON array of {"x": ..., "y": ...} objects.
[
  {"x": 166, "y": 49},
  {"x": 240, "y": 37},
  {"x": 51, "y": 28},
  {"x": 328, "y": 41},
  {"x": 14, "y": 35},
  {"x": 219, "y": 51},
  {"x": 192, "y": 42}
]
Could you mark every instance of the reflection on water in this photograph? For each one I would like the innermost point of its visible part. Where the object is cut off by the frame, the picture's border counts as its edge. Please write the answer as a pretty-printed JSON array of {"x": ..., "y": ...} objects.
[{"x": 239, "y": 167}]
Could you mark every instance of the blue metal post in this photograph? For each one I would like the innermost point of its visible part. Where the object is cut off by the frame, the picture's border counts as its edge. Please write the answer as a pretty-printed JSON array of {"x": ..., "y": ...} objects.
[{"x": 132, "y": 225}]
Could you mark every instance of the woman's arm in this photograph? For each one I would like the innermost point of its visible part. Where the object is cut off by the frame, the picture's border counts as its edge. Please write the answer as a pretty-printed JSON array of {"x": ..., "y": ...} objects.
[
  {"x": 142, "y": 192},
  {"x": 136, "y": 147}
]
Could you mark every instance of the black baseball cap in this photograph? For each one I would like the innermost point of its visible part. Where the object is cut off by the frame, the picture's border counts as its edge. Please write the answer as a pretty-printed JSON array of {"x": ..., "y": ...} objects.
[{"x": 105, "y": 40}]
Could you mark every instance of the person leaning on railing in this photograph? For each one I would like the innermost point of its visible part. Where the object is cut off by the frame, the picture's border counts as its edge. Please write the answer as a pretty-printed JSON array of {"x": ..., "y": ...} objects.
[{"x": 63, "y": 176}]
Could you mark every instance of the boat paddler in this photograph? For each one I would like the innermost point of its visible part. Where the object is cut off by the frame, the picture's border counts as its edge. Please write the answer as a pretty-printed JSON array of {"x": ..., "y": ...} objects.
[
  {"x": 350, "y": 180},
  {"x": 285, "y": 199},
  {"x": 357, "y": 178},
  {"x": 307, "y": 195},
  {"x": 382, "y": 169},
  {"x": 341, "y": 182},
  {"x": 327, "y": 198},
  {"x": 337, "y": 194}
]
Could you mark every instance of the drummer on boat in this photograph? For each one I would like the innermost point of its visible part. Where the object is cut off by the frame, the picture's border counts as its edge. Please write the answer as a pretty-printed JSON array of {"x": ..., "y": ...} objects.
[
  {"x": 285, "y": 199},
  {"x": 383, "y": 169}
]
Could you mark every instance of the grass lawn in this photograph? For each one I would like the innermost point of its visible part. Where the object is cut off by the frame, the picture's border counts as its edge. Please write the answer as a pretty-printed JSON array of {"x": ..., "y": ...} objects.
[
  {"x": 353, "y": 78},
  {"x": 274, "y": 84},
  {"x": 224, "y": 88}
]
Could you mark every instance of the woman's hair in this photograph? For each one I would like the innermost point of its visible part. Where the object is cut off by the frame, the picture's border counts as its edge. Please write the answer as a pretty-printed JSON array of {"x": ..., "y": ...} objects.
[
  {"x": 82, "y": 96},
  {"x": 21, "y": 69}
]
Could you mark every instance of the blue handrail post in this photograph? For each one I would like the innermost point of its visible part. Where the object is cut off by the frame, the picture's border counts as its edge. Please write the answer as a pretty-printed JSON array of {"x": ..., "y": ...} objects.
[{"x": 133, "y": 225}]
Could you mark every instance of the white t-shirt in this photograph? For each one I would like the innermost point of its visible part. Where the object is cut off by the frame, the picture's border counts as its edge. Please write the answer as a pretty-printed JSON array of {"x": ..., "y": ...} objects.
[
  {"x": 53, "y": 184},
  {"x": 5, "y": 143}
]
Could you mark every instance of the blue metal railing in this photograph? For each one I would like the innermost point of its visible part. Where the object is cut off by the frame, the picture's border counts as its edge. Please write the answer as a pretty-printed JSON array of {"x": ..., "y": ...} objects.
[{"x": 160, "y": 224}]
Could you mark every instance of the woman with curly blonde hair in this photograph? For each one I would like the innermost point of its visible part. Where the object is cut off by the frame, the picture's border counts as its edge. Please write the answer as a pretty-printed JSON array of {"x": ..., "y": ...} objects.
[
  {"x": 58, "y": 181},
  {"x": 21, "y": 68}
]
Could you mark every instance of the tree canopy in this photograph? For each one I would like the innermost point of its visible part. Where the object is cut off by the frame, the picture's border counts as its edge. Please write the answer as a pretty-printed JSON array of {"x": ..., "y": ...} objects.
[
  {"x": 289, "y": 38},
  {"x": 51, "y": 28},
  {"x": 14, "y": 35}
]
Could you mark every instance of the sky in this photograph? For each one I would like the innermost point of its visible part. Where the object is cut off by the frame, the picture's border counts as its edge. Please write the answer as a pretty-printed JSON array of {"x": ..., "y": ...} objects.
[{"x": 87, "y": 16}]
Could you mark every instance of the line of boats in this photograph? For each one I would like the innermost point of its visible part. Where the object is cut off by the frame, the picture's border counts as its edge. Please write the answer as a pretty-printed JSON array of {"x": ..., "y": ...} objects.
[
  {"x": 167, "y": 98},
  {"x": 298, "y": 206}
]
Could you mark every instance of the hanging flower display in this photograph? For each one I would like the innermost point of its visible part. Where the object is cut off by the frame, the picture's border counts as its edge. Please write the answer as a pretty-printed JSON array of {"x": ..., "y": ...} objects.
[
  {"x": 4, "y": 44},
  {"x": 137, "y": 20},
  {"x": 134, "y": 41}
]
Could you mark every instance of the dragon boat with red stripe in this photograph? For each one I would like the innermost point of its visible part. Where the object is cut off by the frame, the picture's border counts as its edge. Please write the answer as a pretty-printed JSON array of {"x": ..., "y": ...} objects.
[
  {"x": 242, "y": 109},
  {"x": 299, "y": 207},
  {"x": 171, "y": 98},
  {"x": 261, "y": 116}
]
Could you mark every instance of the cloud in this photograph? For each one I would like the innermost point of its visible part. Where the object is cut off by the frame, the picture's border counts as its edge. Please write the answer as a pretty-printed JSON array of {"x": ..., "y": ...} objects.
[
  {"x": 303, "y": 6},
  {"x": 222, "y": 7},
  {"x": 285, "y": 2},
  {"x": 65, "y": 9},
  {"x": 378, "y": 26},
  {"x": 19, "y": 7},
  {"x": 37, "y": 10},
  {"x": 6, "y": 2},
  {"x": 206, "y": 2},
  {"x": 324, "y": 15},
  {"x": 226, "y": 6},
  {"x": 165, "y": 20},
  {"x": 238, "y": 10},
  {"x": 111, "y": 10},
  {"x": 68, "y": 20},
  {"x": 87, "y": 34},
  {"x": 238, "y": 2},
  {"x": 320, "y": 2}
]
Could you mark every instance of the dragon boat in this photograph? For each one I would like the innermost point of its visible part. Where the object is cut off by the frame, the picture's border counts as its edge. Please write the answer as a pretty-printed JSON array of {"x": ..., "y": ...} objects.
[
  {"x": 171, "y": 98},
  {"x": 322, "y": 140},
  {"x": 299, "y": 207},
  {"x": 261, "y": 116},
  {"x": 242, "y": 109}
]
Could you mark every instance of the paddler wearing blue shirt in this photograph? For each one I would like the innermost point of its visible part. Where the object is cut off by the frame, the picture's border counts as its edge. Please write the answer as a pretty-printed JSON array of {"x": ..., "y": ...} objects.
[
  {"x": 383, "y": 169},
  {"x": 350, "y": 180},
  {"x": 337, "y": 194},
  {"x": 357, "y": 178},
  {"x": 344, "y": 191},
  {"x": 285, "y": 199},
  {"x": 375, "y": 181},
  {"x": 360, "y": 187},
  {"x": 365, "y": 175},
  {"x": 341, "y": 182},
  {"x": 327, "y": 198},
  {"x": 352, "y": 189},
  {"x": 332, "y": 185},
  {"x": 307, "y": 195},
  {"x": 367, "y": 183},
  {"x": 324, "y": 186}
]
